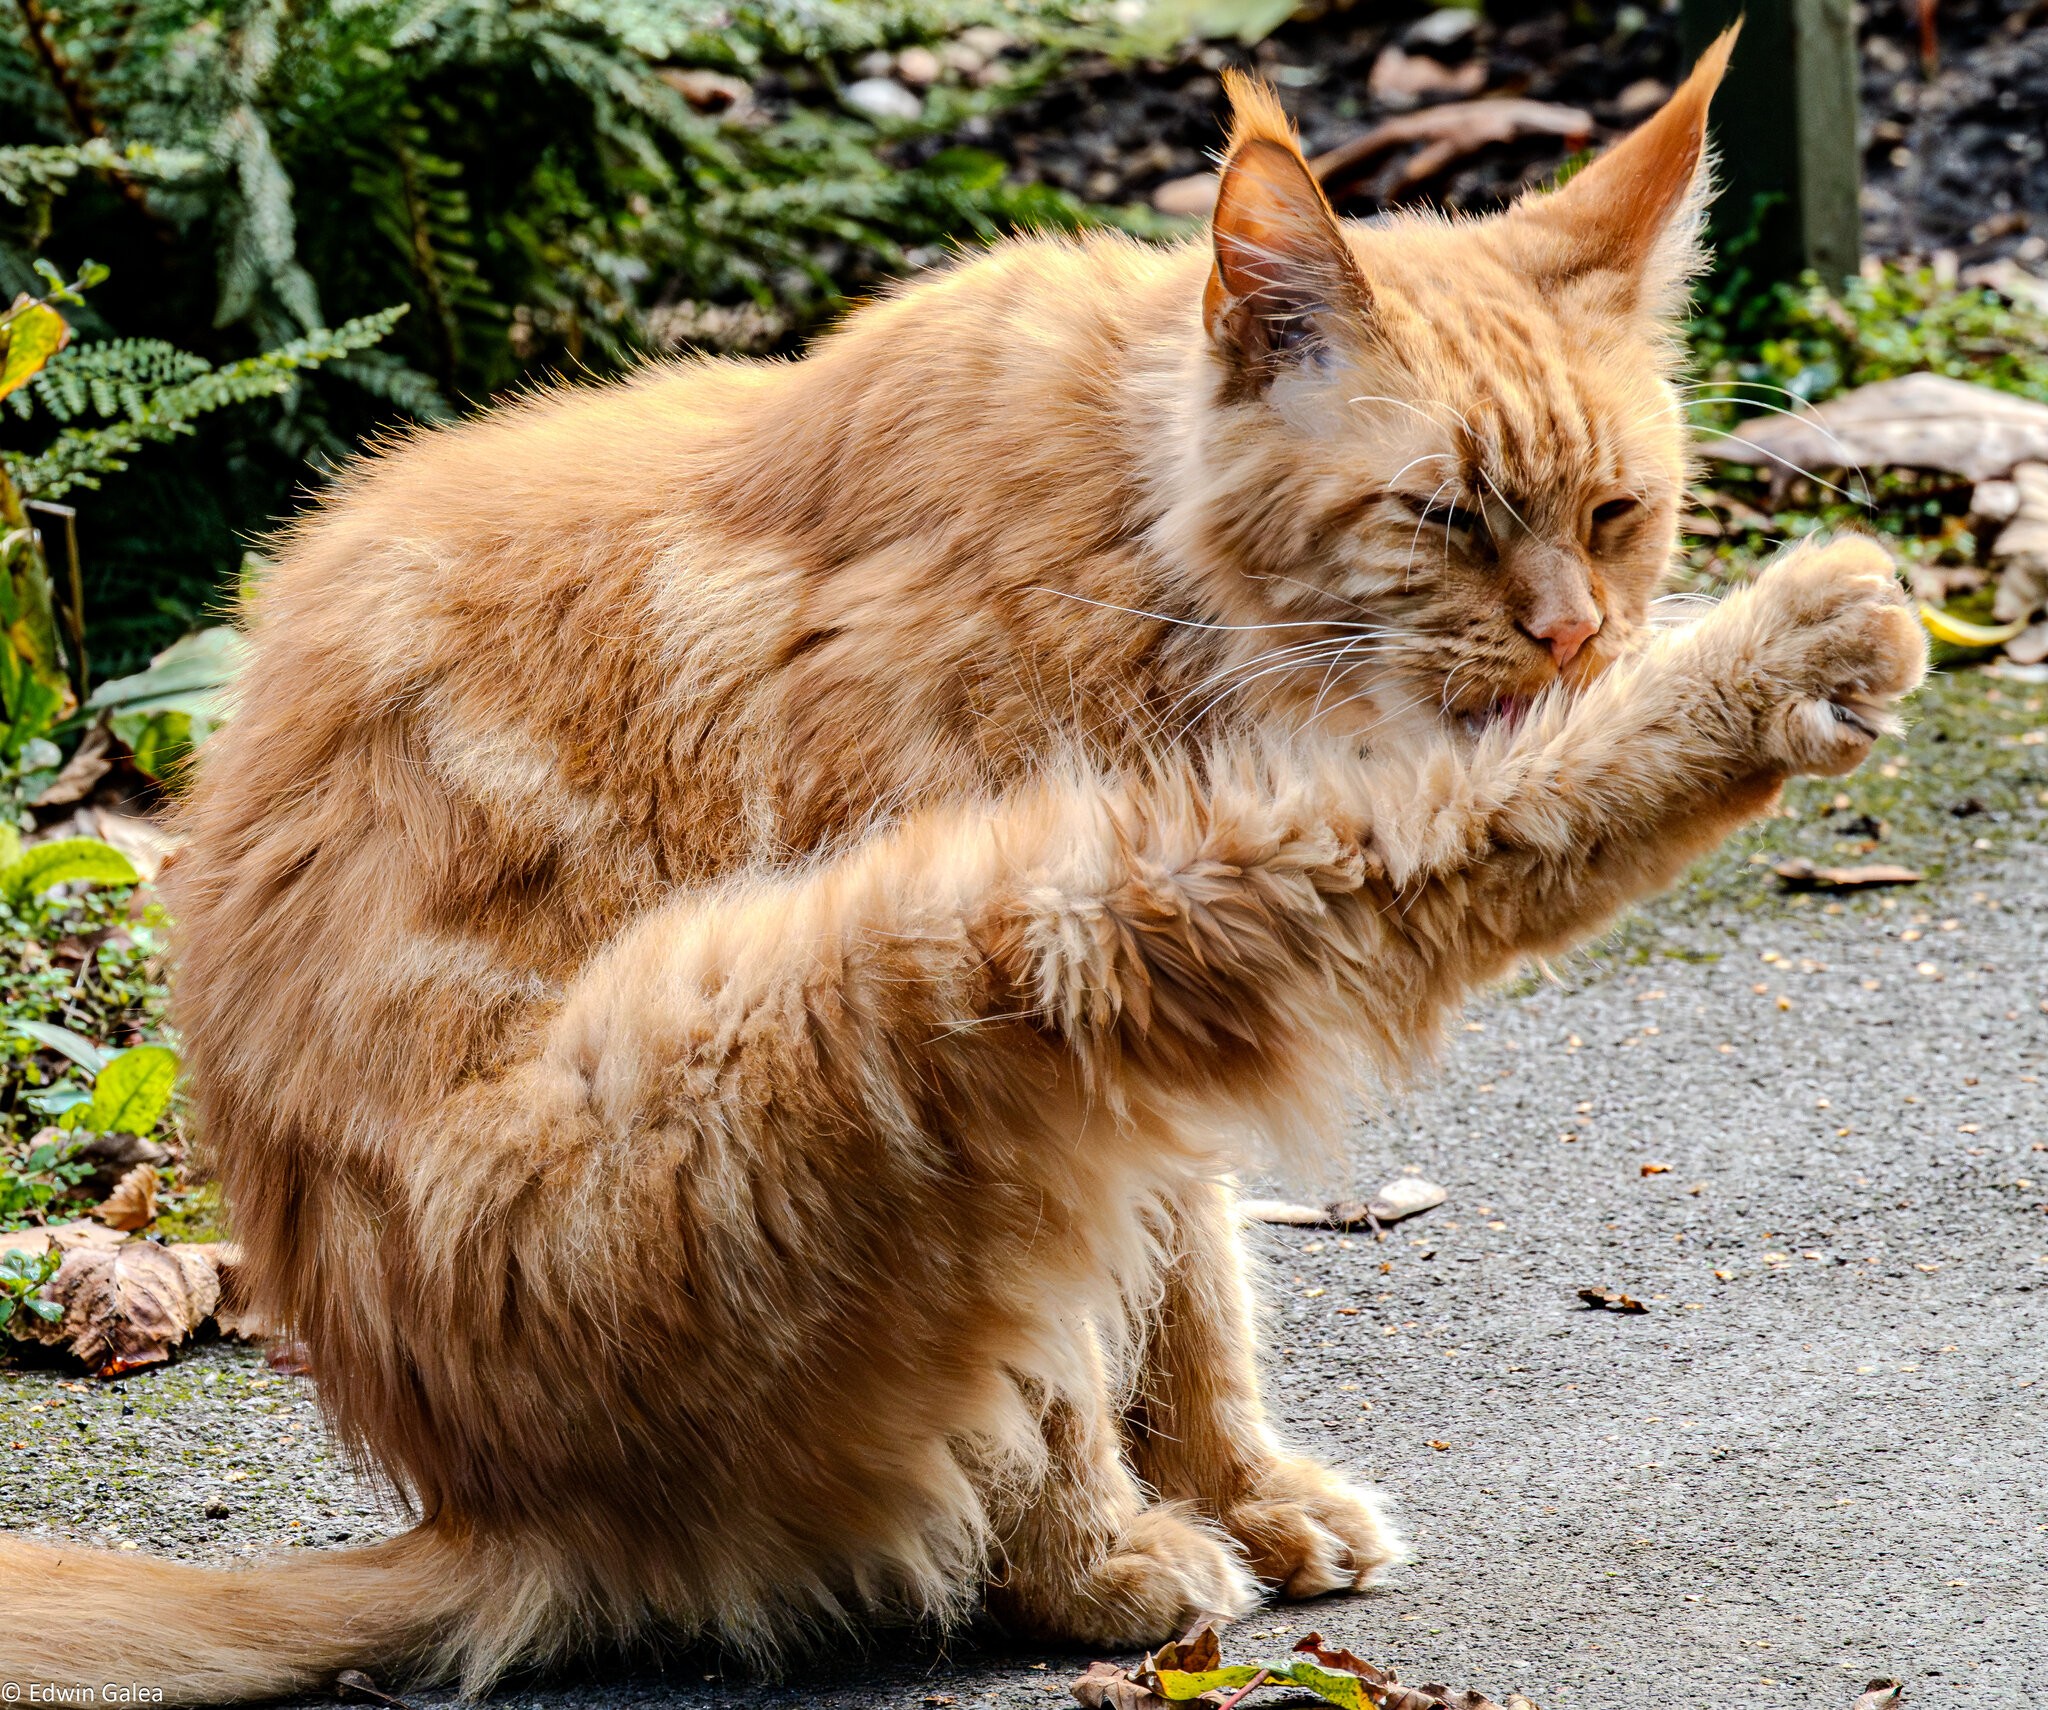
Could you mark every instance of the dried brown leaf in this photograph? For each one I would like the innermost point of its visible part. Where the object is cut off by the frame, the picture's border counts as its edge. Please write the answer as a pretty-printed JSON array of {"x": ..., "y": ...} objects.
[
  {"x": 127, "y": 1302},
  {"x": 1919, "y": 421},
  {"x": 1880, "y": 1695},
  {"x": 1107, "y": 1687},
  {"x": 1612, "y": 1300},
  {"x": 133, "y": 1201}
]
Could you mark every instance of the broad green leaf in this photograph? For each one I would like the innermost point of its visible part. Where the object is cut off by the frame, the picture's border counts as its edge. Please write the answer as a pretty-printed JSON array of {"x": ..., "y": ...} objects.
[
  {"x": 197, "y": 664},
  {"x": 77, "y": 1047},
  {"x": 133, "y": 1091},
  {"x": 69, "y": 860},
  {"x": 1346, "y": 1691},
  {"x": 55, "y": 1101},
  {"x": 34, "y": 335},
  {"x": 10, "y": 845},
  {"x": 47, "y": 1310},
  {"x": 160, "y": 741}
]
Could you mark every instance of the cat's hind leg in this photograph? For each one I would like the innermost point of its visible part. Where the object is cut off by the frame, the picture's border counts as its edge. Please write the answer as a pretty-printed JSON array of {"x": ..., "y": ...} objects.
[
  {"x": 1199, "y": 1431},
  {"x": 1087, "y": 1558}
]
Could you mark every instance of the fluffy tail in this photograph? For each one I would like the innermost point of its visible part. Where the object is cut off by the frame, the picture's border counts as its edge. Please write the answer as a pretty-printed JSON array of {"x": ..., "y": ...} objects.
[{"x": 70, "y": 1615}]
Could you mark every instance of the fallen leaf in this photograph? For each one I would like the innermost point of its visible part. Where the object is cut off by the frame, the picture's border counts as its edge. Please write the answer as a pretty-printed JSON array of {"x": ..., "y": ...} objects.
[
  {"x": 1107, "y": 1687},
  {"x": 1449, "y": 133},
  {"x": 81, "y": 772},
  {"x": 128, "y": 1301},
  {"x": 113, "y": 1156},
  {"x": 1880, "y": 1695},
  {"x": 133, "y": 1201},
  {"x": 1801, "y": 874},
  {"x": 1611, "y": 1300},
  {"x": 1918, "y": 421},
  {"x": 1405, "y": 1196},
  {"x": 1656, "y": 1169}
]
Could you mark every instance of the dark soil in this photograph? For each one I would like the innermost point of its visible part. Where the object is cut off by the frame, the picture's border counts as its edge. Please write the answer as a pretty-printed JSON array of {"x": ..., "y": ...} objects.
[{"x": 1953, "y": 160}]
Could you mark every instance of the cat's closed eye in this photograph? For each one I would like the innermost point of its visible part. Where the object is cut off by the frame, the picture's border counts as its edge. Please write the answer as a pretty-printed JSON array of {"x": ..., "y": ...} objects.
[
  {"x": 1445, "y": 514},
  {"x": 1614, "y": 511}
]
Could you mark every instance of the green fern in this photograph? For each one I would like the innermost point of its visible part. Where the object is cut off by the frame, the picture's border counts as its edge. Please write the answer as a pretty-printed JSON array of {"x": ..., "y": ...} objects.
[{"x": 153, "y": 393}]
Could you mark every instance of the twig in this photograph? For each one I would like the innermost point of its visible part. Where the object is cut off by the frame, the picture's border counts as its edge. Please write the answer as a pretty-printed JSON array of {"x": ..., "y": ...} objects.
[{"x": 1258, "y": 1680}]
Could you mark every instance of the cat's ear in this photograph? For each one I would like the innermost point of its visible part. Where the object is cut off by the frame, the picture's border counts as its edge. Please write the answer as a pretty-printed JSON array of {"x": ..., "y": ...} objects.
[
  {"x": 1282, "y": 266},
  {"x": 1637, "y": 214}
]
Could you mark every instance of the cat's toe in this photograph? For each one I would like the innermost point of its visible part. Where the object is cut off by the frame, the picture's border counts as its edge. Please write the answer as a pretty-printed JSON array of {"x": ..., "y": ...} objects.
[
  {"x": 1306, "y": 1531},
  {"x": 1164, "y": 1572}
]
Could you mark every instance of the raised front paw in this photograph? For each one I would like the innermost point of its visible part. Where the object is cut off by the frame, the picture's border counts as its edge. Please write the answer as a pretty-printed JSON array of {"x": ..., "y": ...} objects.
[
  {"x": 1834, "y": 647},
  {"x": 1165, "y": 1570},
  {"x": 1306, "y": 1531}
]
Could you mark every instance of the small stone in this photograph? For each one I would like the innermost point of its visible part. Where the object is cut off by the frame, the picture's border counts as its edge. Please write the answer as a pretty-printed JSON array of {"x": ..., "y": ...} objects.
[
  {"x": 217, "y": 1509},
  {"x": 986, "y": 40},
  {"x": 918, "y": 66},
  {"x": 881, "y": 98}
]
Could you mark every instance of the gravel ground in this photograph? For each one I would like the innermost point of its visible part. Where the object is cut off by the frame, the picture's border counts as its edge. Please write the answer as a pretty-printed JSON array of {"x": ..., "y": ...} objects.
[{"x": 1809, "y": 1135}]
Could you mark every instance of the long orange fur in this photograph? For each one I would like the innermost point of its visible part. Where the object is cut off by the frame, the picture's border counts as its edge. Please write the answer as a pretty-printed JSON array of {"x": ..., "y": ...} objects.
[{"x": 745, "y": 914}]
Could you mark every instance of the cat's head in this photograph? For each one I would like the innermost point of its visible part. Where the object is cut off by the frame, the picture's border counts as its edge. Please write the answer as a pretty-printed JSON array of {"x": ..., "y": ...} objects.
[{"x": 1462, "y": 433}]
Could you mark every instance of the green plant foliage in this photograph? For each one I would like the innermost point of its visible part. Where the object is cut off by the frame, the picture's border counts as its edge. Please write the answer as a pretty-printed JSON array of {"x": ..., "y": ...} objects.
[
  {"x": 22, "y": 1275},
  {"x": 79, "y": 979},
  {"x": 148, "y": 392},
  {"x": 1811, "y": 341},
  {"x": 548, "y": 185},
  {"x": 65, "y": 861},
  {"x": 130, "y": 1095},
  {"x": 165, "y": 712}
]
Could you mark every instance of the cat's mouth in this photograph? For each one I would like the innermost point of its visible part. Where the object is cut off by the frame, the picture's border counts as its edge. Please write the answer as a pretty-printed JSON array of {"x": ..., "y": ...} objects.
[{"x": 1507, "y": 711}]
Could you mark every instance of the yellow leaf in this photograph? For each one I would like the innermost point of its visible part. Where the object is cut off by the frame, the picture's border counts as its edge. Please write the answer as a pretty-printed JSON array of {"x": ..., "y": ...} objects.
[{"x": 34, "y": 335}]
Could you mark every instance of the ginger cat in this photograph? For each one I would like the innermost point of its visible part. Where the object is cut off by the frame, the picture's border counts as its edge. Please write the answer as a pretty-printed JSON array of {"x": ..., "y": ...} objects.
[{"x": 746, "y": 913}]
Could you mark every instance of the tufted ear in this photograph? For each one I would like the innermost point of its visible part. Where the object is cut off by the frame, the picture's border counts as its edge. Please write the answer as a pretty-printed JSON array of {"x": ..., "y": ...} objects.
[
  {"x": 1638, "y": 211},
  {"x": 1282, "y": 267}
]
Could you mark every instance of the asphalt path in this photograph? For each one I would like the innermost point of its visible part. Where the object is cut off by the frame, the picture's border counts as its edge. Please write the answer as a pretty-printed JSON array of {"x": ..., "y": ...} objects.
[{"x": 1807, "y": 1135}]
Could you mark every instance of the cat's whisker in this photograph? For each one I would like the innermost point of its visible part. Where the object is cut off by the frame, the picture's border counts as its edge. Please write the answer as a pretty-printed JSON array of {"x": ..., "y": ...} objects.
[
  {"x": 1410, "y": 404},
  {"x": 1764, "y": 456},
  {"x": 1271, "y": 670},
  {"x": 1178, "y": 622}
]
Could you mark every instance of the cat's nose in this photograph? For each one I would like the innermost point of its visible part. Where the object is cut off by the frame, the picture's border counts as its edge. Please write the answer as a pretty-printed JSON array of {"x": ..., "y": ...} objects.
[{"x": 1566, "y": 634}]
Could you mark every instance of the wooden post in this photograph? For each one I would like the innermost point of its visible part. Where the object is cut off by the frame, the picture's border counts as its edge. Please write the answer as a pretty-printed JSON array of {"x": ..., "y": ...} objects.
[{"x": 1785, "y": 126}]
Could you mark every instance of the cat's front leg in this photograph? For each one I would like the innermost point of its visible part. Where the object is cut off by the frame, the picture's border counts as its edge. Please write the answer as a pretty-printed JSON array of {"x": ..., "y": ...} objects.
[
  {"x": 1086, "y": 1557},
  {"x": 1603, "y": 799},
  {"x": 1198, "y": 1430}
]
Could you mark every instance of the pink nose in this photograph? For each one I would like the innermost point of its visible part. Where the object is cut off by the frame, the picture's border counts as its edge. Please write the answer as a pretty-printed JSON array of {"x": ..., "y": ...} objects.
[{"x": 1564, "y": 636}]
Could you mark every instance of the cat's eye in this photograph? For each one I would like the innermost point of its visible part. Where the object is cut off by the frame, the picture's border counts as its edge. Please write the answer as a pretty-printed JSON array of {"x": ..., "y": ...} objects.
[
  {"x": 1446, "y": 515},
  {"x": 1612, "y": 511}
]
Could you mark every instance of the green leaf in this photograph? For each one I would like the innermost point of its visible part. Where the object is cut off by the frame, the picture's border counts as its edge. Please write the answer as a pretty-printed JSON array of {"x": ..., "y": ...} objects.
[
  {"x": 162, "y": 714},
  {"x": 197, "y": 664},
  {"x": 972, "y": 169},
  {"x": 159, "y": 741},
  {"x": 1346, "y": 1691},
  {"x": 79, "y": 1049},
  {"x": 35, "y": 333},
  {"x": 47, "y": 1310},
  {"x": 133, "y": 1091},
  {"x": 69, "y": 860},
  {"x": 1178, "y": 1683}
]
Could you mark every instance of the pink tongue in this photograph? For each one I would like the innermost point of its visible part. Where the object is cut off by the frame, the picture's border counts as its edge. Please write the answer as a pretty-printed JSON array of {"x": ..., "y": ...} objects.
[{"x": 1511, "y": 709}]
